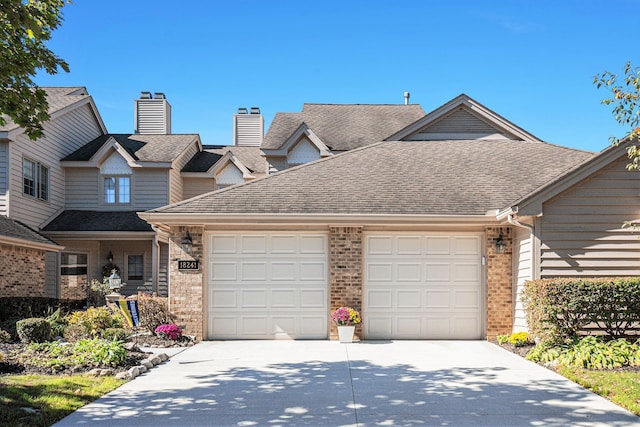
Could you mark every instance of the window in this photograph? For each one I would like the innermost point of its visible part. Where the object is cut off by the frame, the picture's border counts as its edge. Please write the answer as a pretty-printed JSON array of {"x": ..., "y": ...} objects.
[
  {"x": 73, "y": 264},
  {"x": 117, "y": 189},
  {"x": 135, "y": 267},
  {"x": 35, "y": 179}
]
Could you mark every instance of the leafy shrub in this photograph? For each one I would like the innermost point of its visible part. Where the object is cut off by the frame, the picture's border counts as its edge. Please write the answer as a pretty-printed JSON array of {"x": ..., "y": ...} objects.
[
  {"x": 34, "y": 329},
  {"x": 92, "y": 322},
  {"x": 590, "y": 353},
  {"x": 114, "y": 334},
  {"x": 518, "y": 339},
  {"x": 5, "y": 337},
  {"x": 94, "y": 352},
  {"x": 57, "y": 321},
  {"x": 153, "y": 312},
  {"x": 170, "y": 331},
  {"x": 26, "y": 307},
  {"x": 559, "y": 309},
  {"x": 96, "y": 292}
]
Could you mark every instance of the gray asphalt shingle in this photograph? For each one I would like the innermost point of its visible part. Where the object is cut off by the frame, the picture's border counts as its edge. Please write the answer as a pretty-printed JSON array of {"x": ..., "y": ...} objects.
[
  {"x": 467, "y": 177},
  {"x": 344, "y": 127},
  {"x": 75, "y": 220},
  {"x": 18, "y": 230}
]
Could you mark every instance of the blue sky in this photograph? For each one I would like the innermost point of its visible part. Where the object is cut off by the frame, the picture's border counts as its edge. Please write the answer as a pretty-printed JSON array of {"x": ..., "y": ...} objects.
[{"x": 532, "y": 62}]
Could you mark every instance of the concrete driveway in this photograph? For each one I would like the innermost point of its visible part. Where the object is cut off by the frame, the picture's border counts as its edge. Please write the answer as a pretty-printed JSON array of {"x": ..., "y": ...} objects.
[{"x": 372, "y": 383}]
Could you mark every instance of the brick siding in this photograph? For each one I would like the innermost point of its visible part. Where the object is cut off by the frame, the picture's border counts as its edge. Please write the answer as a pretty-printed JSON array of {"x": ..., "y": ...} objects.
[
  {"x": 499, "y": 283},
  {"x": 73, "y": 287},
  {"x": 186, "y": 288},
  {"x": 345, "y": 270},
  {"x": 21, "y": 272}
]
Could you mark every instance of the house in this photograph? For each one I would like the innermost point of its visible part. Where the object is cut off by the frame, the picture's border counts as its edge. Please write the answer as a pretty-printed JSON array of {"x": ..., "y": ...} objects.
[
  {"x": 32, "y": 184},
  {"x": 430, "y": 232},
  {"x": 79, "y": 189}
]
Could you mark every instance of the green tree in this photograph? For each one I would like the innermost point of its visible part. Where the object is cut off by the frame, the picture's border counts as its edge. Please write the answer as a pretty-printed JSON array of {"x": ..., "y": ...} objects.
[
  {"x": 25, "y": 26},
  {"x": 624, "y": 97}
]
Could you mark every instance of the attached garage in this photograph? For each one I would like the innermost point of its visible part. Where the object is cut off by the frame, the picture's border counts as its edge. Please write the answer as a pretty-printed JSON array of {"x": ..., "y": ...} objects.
[
  {"x": 267, "y": 285},
  {"x": 423, "y": 286}
]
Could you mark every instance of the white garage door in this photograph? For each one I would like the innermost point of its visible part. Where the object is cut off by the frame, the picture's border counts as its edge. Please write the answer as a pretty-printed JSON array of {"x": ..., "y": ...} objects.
[
  {"x": 423, "y": 286},
  {"x": 267, "y": 286}
]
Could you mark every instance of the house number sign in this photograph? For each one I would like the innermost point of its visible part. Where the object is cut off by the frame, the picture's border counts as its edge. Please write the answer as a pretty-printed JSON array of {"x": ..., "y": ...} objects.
[{"x": 189, "y": 265}]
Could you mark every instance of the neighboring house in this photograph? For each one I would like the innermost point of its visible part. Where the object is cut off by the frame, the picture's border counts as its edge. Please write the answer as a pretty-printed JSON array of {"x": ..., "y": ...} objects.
[
  {"x": 32, "y": 187},
  {"x": 322, "y": 130},
  {"x": 424, "y": 231},
  {"x": 81, "y": 187}
]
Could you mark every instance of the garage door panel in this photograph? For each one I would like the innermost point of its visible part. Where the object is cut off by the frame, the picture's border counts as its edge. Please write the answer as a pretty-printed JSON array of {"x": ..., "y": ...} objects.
[
  {"x": 268, "y": 285},
  {"x": 423, "y": 286}
]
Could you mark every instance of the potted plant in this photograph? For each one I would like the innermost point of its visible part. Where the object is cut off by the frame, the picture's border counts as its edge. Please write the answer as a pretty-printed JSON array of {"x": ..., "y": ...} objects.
[{"x": 346, "y": 318}]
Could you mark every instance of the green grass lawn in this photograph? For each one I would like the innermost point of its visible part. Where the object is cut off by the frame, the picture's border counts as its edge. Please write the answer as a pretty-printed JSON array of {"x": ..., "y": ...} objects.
[
  {"x": 51, "y": 397},
  {"x": 621, "y": 387}
]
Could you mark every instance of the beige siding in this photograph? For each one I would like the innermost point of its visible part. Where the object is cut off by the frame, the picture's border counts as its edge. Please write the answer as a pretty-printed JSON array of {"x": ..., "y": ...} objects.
[
  {"x": 459, "y": 124},
  {"x": 51, "y": 273},
  {"x": 4, "y": 178},
  {"x": 83, "y": 188},
  {"x": 197, "y": 186},
  {"x": 581, "y": 232},
  {"x": 64, "y": 135},
  {"x": 176, "y": 184},
  {"x": 522, "y": 271},
  {"x": 150, "y": 188}
]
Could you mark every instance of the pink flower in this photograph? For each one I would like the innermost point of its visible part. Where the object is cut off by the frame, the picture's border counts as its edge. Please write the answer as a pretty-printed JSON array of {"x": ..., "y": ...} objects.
[
  {"x": 171, "y": 331},
  {"x": 345, "y": 316}
]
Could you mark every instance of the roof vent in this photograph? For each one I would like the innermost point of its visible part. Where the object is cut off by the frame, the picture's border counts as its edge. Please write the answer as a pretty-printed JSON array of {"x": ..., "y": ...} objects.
[
  {"x": 159, "y": 95},
  {"x": 242, "y": 110},
  {"x": 145, "y": 95},
  {"x": 255, "y": 110},
  {"x": 406, "y": 98}
]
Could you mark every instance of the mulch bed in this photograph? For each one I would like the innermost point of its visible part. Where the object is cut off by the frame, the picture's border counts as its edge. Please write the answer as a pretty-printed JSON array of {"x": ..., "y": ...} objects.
[{"x": 14, "y": 365}]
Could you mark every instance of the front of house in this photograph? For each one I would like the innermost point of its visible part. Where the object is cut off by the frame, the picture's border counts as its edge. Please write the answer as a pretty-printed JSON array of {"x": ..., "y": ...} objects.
[{"x": 430, "y": 233}]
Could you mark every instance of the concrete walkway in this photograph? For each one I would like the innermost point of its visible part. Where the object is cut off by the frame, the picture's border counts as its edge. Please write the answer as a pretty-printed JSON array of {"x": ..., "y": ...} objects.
[{"x": 373, "y": 383}]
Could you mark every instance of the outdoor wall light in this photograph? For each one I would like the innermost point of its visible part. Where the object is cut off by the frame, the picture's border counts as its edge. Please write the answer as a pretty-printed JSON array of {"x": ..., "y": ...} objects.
[
  {"x": 187, "y": 243},
  {"x": 501, "y": 245},
  {"x": 115, "y": 282},
  {"x": 110, "y": 257}
]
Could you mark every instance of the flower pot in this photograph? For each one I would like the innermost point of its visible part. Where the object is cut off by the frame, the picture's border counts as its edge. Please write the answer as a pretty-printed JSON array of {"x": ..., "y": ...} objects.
[{"x": 345, "y": 333}]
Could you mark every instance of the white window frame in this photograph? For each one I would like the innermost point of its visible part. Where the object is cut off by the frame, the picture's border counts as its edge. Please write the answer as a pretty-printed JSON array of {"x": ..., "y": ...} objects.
[
  {"x": 40, "y": 179},
  {"x": 116, "y": 190}
]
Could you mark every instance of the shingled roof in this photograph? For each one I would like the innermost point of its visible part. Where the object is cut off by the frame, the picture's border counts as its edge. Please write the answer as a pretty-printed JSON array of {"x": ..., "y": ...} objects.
[
  {"x": 58, "y": 99},
  {"x": 343, "y": 127},
  {"x": 145, "y": 148},
  {"x": 75, "y": 220},
  {"x": 462, "y": 177},
  {"x": 17, "y": 230},
  {"x": 250, "y": 157}
]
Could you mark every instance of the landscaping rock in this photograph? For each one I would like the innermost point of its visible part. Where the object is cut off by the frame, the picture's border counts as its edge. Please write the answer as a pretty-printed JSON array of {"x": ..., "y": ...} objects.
[
  {"x": 123, "y": 376},
  {"x": 156, "y": 360},
  {"x": 147, "y": 364},
  {"x": 131, "y": 346},
  {"x": 163, "y": 357},
  {"x": 134, "y": 372},
  {"x": 142, "y": 369},
  {"x": 106, "y": 372},
  {"x": 95, "y": 372}
]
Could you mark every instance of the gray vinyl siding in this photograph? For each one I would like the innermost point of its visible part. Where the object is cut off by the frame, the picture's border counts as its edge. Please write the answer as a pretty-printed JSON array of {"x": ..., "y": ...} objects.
[
  {"x": 197, "y": 186},
  {"x": 150, "y": 188},
  {"x": 277, "y": 164},
  {"x": 581, "y": 229},
  {"x": 4, "y": 178},
  {"x": 176, "y": 184},
  {"x": 163, "y": 272},
  {"x": 522, "y": 271},
  {"x": 459, "y": 124},
  {"x": 83, "y": 188},
  {"x": 51, "y": 274},
  {"x": 64, "y": 135}
]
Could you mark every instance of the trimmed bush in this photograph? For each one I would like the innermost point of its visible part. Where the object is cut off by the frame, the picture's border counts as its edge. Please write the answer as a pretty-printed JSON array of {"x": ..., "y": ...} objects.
[
  {"x": 34, "y": 329},
  {"x": 517, "y": 339},
  {"x": 558, "y": 310},
  {"x": 153, "y": 312}
]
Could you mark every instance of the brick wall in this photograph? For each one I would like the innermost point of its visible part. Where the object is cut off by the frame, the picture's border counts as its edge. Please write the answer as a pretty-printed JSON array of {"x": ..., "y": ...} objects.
[
  {"x": 73, "y": 287},
  {"x": 499, "y": 283},
  {"x": 21, "y": 272},
  {"x": 186, "y": 288},
  {"x": 345, "y": 270}
]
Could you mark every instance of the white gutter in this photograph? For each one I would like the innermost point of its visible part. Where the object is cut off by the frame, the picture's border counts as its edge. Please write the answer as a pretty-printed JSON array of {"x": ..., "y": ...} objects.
[{"x": 30, "y": 244}]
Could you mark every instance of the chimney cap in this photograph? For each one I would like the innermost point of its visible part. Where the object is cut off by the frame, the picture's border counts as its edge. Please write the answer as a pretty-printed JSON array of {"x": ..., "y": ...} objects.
[
  {"x": 255, "y": 110},
  {"x": 242, "y": 110},
  {"x": 159, "y": 95},
  {"x": 145, "y": 95}
]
